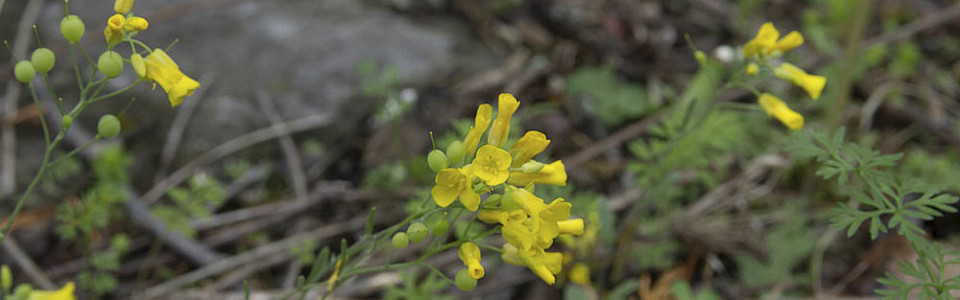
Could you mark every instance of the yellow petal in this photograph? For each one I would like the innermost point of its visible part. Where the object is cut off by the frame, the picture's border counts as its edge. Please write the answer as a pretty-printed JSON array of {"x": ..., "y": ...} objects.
[
  {"x": 791, "y": 40},
  {"x": 469, "y": 198},
  {"x": 492, "y": 165},
  {"x": 480, "y": 123},
  {"x": 528, "y": 146},
  {"x": 812, "y": 84},
  {"x": 776, "y": 108},
  {"x": 123, "y": 6},
  {"x": 506, "y": 107},
  {"x": 136, "y": 24},
  {"x": 765, "y": 39},
  {"x": 553, "y": 174},
  {"x": 572, "y": 226},
  {"x": 163, "y": 70},
  {"x": 64, "y": 293},
  {"x": 448, "y": 185}
]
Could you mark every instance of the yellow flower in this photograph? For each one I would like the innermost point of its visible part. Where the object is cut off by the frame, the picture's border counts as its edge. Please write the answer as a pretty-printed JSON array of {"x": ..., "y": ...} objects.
[
  {"x": 507, "y": 105},
  {"x": 528, "y": 146},
  {"x": 162, "y": 69},
  {"x": 776, "y": 108},
  {"x": 480, "y": 123},
  {"x": 136, "y": 24},
  {"x": 571, "y": 226},
  {"x": 64, "y": 293},
  {"x": 493, "y": 216},
  {"x": 470, "y": 256},
  {"x": 452, "y": 184},
  {"x": 492, "y": 164},
  {"x": 752, "y": 69},
  {"x": 552, "y": 174},
  {"x": 123, "y": 6},
  {"x": 542, "y": 226},
  {"x": 336, "y": 275},
  {"x": 813, "y": 84},
  {"x": 766, "y": 43},
  {"x": 114, "y": 31},
  {"x": 580, "y": 274},
  {"x": 544, "y": 264}
]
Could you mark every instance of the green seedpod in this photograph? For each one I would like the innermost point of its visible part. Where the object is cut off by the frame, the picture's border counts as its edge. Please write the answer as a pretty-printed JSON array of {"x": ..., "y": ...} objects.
[
  {"x": 24, "y": 71},
  {"x": 67, "y": 121},
  {"x": 110, "y": 64},
  {"x": 441, "y": 227},
  {"x": 71, "y": 27},
  {"x": 400, "y": 240},
  {"x": 455, "y": 152},
  {"x": 6, "y": 278},
  {"x": 109, "y": 126},
  {"x": 464, "y": 282},
  {"x": 43, "y": 60},
  {"x": 417, "y": 232},
  {"x": 437, "y": 160}
]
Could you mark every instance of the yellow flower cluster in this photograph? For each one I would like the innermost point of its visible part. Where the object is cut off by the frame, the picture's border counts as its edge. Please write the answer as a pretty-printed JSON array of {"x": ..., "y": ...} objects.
[
  {"x": 157, "y": 66},
  {"x": 529, "y": 224},
  {"x": 768, "y": 44}
]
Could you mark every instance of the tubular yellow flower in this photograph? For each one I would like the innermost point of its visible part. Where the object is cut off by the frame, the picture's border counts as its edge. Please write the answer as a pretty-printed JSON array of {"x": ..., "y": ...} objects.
[
  {"x": 776, "y": 108},
  {"x": 161, "y": 69},
  {"x": 528, "y": 146},
  {"x": 114, "y": 31},
  {"x": 123, "y": 6},
  {"x": 64, "y": 293},
  {"x": 571, "y": 226},
  {"x": 752, "y": 69},
  {"x": 492, "y": 164},
  {"x": 552, "y": 174},
  {"x": 580, "y": 274},
  {"x": 813, "y": 84},
  {"x": 136, "y": 24},
  {"x": 452, "y": 184},
  {"x": 480, "y": 123},
  {"x": 506, "y": 107},
  {"x": 766, "y": 43},
  {"x": 544, "y": 264},
  {"x": 470, "y": 256},
  {"x": 494, "y": 216}
]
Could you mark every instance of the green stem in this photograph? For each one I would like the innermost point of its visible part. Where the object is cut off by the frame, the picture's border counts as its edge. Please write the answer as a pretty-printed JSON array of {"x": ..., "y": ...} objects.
[
  {"x": 53, "y": 94},
  {"x": 43, "y": 120},
  {"x": 76, "y": 68},
  {"x": 33, "y": 184},
  {"x": 117, "y": 92},
  {"x": 75, "y": 151}
]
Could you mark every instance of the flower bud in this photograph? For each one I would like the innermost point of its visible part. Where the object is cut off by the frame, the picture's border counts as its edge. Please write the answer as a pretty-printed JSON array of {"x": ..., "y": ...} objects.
[
  {"x": 6, "y": 277},
  {"x": 71, "y": 27},
  {"x": 400, "y": 240},
  {"x": 123, "y": 6},
  {"x": 455, "y": 152},
  {"x": 66, "y": 121},
  {"x": 437, "y": 160},
  {"x": 43, "y": 60},
  {"x": 24, "y": 71},
  {"x": 109, "y": 126},
  {"x": 701, "y": 57},
  {"x": 110, "y": 64},
  {"x": 752, "y": 69},
  {"x": 138, "y": 65},
  {"x": 532, "y": 167},
  {"x": 417, "y": 232},
  {"x": 464, "y": 282},
  {"x": 441, "y": 227},
  {"x": 135, "y": 24}
]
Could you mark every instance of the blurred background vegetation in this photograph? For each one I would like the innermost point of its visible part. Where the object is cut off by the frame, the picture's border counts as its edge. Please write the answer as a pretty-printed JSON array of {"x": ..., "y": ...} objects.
[{"x": 312, "y": 112}]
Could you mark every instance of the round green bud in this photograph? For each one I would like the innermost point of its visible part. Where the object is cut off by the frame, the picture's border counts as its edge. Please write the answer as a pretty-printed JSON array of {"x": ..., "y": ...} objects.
[
  {"x": 24, "y": 71},
  {"x": 66, "y": 121},
  {"x": 437, "y": 160},
  {"x": 455, "y": 152},
  {"x": 463, "y": 280},
  {"x": 701, "y": 57},
  {"x": 6, "y": 278},
  {"x": 71, "y": 27},
  {"x": 441, "y": 227},
  {"x": 110, "y": 64},
  {"x": 417, "y": 232},
  {"x": 43, "y": 60},
  {"x": 109, "y": 126},
  {"x": 400, "y": 240}
]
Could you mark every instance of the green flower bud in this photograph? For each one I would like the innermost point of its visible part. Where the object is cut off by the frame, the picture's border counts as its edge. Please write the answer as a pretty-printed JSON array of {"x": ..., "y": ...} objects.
[
  {"x": 24, "y": 71},
  {"x": 6, "y": 277},
  {"x": 455, "y": 152},
  {"x": 400, "y": 240},
  {"x": 507, "y": 204},
  {"x": 71, "y": 27},
  {"x": 441, "y": 227},
  {"x": 493, "y": 200},
  {"x": 417, "y": 232},
  {"x": 110, "y": 64},
  {"x": 463, "y": 280},
  {"x": 22, "y": 291},
  {"x": 43, "y": 60},
  {"x": 701, "y": 57},
  {"x": 437, "y": 160},
  {"x": 109, "y": 126},
  {"x": 531, "y": 167},
  {"x": 67, "y": 120}
]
